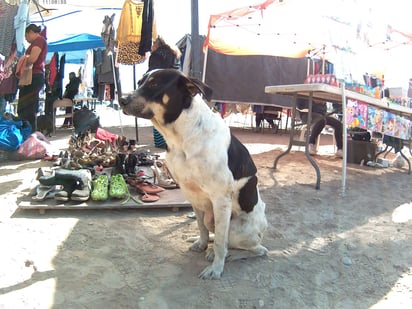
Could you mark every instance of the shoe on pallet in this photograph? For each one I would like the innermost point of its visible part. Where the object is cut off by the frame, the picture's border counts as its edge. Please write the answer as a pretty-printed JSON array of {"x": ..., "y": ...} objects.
[
  {"x": 117, "y": 186},
  {"x": 100, "y": 190},
  {"x": 339, "y": 153},
  {"x": 83, "y": 194},
  {"x": 76, "y": 184}
]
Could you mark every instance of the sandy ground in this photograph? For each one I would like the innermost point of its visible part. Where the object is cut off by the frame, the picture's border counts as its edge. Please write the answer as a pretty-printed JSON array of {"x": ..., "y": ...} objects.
[{"x": 326, "y": 249}]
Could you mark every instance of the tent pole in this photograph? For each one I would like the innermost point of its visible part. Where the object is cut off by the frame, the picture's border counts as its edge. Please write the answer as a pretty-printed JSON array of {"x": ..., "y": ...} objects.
[
  {"x": 204, "y": 64},
  {"x": 116, "y": 93},
  {"x": 195, "y": 40},
  {"x": 135, "y": 118}
]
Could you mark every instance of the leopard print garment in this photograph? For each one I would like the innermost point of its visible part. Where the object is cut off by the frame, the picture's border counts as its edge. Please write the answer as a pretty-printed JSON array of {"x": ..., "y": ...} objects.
[{"x": 127, "y": 53}]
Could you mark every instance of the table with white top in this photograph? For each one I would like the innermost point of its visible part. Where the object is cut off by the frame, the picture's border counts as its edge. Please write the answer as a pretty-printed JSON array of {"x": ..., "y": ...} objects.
[{"x": 327, "y": 93}]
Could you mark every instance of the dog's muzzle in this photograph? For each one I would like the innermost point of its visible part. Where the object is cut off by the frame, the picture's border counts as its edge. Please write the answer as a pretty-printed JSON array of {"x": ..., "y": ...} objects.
[
  {"x": 125, "y": 101},
  {"x": 135, "y": 106}
]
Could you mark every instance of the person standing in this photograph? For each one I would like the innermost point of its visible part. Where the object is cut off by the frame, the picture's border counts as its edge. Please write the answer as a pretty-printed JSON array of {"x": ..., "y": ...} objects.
[
  {"x": 28, "y": 102},
  {"x": 72, "y": 89}
]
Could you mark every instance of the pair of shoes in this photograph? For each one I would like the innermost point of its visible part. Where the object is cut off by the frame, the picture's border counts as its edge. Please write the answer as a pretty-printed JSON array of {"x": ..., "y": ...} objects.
[
  {"x": 257, "y": 129},
  {"x": 144, "y": 186},
  {"x": 162, "y": 176},
  {"x": 82, "y": 194},
  {"x": 119, "y": 164},
  {"x": 144, "y": 159},
  {"x": 147, "y": 190},
  {"x": 339, "y": 153},
  {"x": 130, "y": 164},
  {"x": 76, "y": 184},
  {"x": 100, "y": 190},
  {"x": 312, "y": 149},
  {"x": 43, "y": 192},
  {"x": 117, "y": 186}
]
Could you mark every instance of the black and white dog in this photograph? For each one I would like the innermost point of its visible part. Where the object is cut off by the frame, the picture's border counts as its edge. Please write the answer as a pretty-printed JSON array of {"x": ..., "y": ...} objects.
[{"x": 213, "y": 169}]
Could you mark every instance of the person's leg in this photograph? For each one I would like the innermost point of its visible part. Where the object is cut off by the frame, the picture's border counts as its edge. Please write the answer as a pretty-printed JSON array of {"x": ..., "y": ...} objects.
[
  {"x": 317, "y": 126},
  {"x": 28, "y": 104},
  {"x": 258, "y": 120},
  {"x": 23, "y": 105},
  {"x": 2, "y": 105},
  {"x": 271, "y": 122},
  {"x": 68, "y": 120},
  {"x": 337, "y": 126}
]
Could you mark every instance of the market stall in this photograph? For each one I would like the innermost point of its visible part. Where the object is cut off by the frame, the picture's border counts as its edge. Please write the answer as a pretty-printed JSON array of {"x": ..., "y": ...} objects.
[{"x": 329, "y": 93}]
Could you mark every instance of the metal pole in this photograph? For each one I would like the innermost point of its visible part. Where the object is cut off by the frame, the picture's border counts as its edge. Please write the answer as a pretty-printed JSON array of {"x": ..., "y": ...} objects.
[
  {"x": 116, "y": 94},
  {"x": 195, "y": 56},
  {"x": 136, "y": 125},
  {"x": 344, "y": 139}
]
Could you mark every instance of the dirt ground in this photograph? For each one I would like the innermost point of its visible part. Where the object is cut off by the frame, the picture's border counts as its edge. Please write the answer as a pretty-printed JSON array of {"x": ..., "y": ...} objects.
[{"x": 326, "y": 249}]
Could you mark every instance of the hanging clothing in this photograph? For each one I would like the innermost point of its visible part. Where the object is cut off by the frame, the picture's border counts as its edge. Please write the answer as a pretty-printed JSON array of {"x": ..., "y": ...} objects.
[
  {"x": 129, "y": 32},
  {"x": 7, "y": 13},
  {"x": 87, "y": 74},
  {"x": 53, "y": 68},
  {"x": 20, "y": 23},
  {"x": 105, "y": 75},
  {"x": 108, "y": 33},
  {"x": 147, "y": 28}
]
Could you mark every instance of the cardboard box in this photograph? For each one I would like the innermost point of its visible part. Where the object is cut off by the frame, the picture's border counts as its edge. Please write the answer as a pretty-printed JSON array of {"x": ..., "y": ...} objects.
[{"x": 361, "y": 150}]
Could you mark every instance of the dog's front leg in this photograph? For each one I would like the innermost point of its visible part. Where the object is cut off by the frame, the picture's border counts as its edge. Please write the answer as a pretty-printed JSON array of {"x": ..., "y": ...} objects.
[
  {"x": 200, "y": 244},
  {"x": 222, "y": 212}
]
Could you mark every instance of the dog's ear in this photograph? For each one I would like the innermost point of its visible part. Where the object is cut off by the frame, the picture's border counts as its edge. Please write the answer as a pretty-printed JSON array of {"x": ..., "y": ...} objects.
[{"x": 195, "y": 86}]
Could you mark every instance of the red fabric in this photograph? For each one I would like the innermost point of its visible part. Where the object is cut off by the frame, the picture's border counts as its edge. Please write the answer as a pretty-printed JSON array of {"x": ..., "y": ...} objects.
[
  {"x": 36, "y": 146},
  {"x": 104, "y": 135},
  {"x": 53, "y": 69},
  {"x": 38, "y": 66}
]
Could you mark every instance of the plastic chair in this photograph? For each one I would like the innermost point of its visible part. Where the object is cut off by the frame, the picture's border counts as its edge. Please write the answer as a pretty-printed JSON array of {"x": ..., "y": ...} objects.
[{"x": 62, "y": 103}]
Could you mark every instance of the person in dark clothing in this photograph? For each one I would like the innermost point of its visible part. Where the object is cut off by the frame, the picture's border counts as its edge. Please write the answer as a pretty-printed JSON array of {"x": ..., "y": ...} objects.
[
  {"x": 163, "y": 57},
  {"x": 28, "y": 102},
  {"x": 259, "y": 117},
  {"x": 320, "y": 118},
  {"x": 72, "y": 89}
]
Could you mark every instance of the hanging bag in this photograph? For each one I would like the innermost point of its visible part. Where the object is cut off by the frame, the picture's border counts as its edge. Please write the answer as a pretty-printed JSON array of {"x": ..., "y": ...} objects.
[{"x": 23, "y": 72}]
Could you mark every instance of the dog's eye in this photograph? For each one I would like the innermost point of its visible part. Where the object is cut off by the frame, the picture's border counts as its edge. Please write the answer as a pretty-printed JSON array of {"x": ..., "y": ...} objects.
[{"x": 153, "y": 84}]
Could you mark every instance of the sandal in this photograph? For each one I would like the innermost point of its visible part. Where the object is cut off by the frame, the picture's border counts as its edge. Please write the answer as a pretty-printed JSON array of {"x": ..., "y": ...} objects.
[
  {"x": 147, "y": 187},
  {"x": 100, "y": 188},
  {"x": 149, "y": 198},
  {"x": 42, "y": 192},
  {"x": 118, "y": 186},
  {"x": 162, "y": 176}
]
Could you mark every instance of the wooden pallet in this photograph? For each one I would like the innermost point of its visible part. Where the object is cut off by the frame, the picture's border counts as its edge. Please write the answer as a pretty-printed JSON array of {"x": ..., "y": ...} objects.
[{"x": 173, "y": 199}]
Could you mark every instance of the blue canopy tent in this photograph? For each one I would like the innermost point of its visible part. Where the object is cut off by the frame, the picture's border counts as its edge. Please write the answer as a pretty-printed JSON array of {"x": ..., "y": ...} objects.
[
  {"x": 75, "y": 47},
  {"x": 81, "y": 41}
]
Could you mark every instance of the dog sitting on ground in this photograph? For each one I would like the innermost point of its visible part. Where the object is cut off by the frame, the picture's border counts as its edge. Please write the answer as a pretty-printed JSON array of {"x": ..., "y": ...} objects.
[{"x": 213, "y": 169}]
